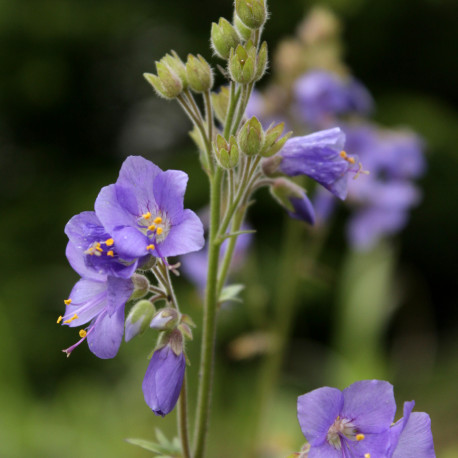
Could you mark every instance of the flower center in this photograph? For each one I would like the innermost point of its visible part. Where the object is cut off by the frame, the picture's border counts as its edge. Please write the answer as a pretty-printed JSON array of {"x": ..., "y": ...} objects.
[
  {"x": 156, "y": 226},
  {"x": 342, "y": 429},
  {"x": 101, "y": 248}
]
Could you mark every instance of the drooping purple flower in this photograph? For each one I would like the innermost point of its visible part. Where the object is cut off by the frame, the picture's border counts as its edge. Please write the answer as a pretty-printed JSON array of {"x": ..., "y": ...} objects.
[
  {"x": 382, "y": 199},
  {"x": 144, "y": 213},
  {"x": 98, "y": 299},
  {"x": 352, "y": 423},
  {"x": 163, "y": 380},
  {"x": 320, "y": 156},
  {"x": 411, "y": 436},
  {"x": 322, "y": 96}
]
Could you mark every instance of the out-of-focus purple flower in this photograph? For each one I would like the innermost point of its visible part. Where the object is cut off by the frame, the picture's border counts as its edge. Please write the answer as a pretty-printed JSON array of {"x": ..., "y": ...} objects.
[
  {"x": 383, "y": 198},
  {"x": 322, "y": 96},
  {"x": 353, "y": 423},
  {"x": 163, "y": 380},
  {"x": 143, "y": 211},
  {"x": 320, "y": 156},
  {"x": 98, "y": 299},
  {"x": 411, "y": 436},
  {"x": 195, "y": 265},
  {"x": 323, "y": 203}
]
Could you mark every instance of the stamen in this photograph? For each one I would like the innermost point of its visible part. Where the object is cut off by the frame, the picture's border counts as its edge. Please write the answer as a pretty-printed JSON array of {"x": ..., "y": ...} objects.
[
  {"x": 109, "y": 242},
  {"x": 99, "y": 248},
  {"x": 146, "y": 215},
  {"x": 152, "y": 227},
  {"x": 74, "y": 317},
  {"x": 360, "y": 437},
  {"x": 159, "y": 231},
  {"x": 67, "y": 301},
  {"x": 157, "y": 220},
  {"x": 60, "y": 319},
  {"x": 82, "y": 333},
  {"x": 367, "y": 455},
  {"x": 150, "y": 247},
  {"x": 343, "y": 155},
  {"x": 361, "y": 171},
  {"x": 110, "y": 253},
  {"x": 351, "y": 160}
]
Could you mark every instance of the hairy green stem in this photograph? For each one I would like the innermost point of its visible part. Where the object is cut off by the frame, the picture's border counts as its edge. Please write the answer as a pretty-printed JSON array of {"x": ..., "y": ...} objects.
[{"x": 183, "y": 421}]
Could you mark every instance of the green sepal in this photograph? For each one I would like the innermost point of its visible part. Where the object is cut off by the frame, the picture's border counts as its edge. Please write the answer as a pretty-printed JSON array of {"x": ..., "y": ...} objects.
[
  {"x": 199, "y": 73},
  {"x": 243, "y": 31},
  {"x": 220, "y": 102},
  {"x": 230, "y": 293},
  {"x": 223, "y": 38},
  {"x": 253, "y": 13}
]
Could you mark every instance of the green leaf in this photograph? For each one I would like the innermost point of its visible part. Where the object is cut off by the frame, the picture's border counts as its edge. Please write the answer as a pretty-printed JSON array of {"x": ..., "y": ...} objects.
[
  {"x": 163, "y": 449},
  {"x": 147, "y": 445},
  {"x": 230, "y": 293},
  {"x": 235, "y": 234}
]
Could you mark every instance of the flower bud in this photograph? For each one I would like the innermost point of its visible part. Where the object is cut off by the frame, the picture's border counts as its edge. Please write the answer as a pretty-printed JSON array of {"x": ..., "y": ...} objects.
[
  {"x": 178, "y": 66},
  {"x": 223, "y": 38},
  {"x": 293, "y": 198},
  {"x": 166, "y": 83},
  {"x": 164, "y": 319},
  {"x": 261, "y": 62},
  {"x": 251, "y": 137},
  {"x": 138, "y": 319},
  {"x": 226, "y": 153},
  {"x": 253, "y": 13},
  {"x": 141, "y": 286},
  {"x": 243, "y": 31},
  {"x": 199, "y": 73},
  {"x": 242, "y": 63},
  {"x": 273, "y": 143},
  {"x": 220, "y": 102}
]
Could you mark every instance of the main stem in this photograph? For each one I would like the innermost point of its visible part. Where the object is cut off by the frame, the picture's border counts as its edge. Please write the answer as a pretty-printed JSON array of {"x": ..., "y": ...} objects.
[{"x": 209, "y": 320}]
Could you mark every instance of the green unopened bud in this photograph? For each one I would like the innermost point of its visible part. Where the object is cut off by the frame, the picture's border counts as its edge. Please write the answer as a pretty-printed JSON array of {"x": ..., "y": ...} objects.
[
  {"x": 242, "y": 63},
  {"x": 226, "y": 153},
  {"x": 220, "y": 102},
  {"x": 178, "y": 66},
  {"x": 273, "y": 143},
  {"x": 166, "y": 83},
  {"x": 243, "y": 31},
  {"x": 141, "y": 286},
  {"x": 138, "y": 319},
  {"x": 253, "y": 13},
  {"x": 165, "y": 319},
  {"x": 251, "y": 137},
  {"x": 199, "y": 73},
  {"x": 223, "y": 38},
  {"x": 261, "y": 62}
]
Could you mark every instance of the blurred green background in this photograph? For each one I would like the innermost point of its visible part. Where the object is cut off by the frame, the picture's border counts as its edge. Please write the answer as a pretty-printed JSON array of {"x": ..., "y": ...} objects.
[{"x": 73, "y": 105}]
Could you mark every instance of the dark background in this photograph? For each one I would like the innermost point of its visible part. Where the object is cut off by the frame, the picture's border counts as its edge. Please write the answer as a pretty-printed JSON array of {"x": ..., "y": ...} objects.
[{"x": 73, "y": 105}]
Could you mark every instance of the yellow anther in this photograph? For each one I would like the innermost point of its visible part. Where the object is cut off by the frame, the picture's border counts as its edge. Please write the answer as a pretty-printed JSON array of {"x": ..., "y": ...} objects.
[
  {"x": 159, "y": 231},
  {"x": 343, "y": 155},
  {"x": 74, "y": 317},
  {"x": 367, "y": 455},
  {"x": 67, "y": 301},
  {"x": 146, "y": 215},
  {"x": 360, "y": 437},
  {"x": 157, "y": 220},
  {"x": 82, "y": 333},
  {"x": 98, "y": 248},
  {"x": 351, "y": 160},
  {"x": 150, "y": 247},
  {"x": 59, "y": 319},
  {"x": 110, "y": 253},
  {"x": 109, "y": 242},
  {"x": 152, "y": 227}
]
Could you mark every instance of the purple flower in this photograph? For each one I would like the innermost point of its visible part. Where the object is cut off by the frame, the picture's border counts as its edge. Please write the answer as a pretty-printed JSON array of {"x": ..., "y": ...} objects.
[
  {"x": 144, "y": 211},
  {"x": 322, "y": 96},
  {"x": 163, "y": 380},
  {"x": 411, "y": 436},
  {"x": 97, "y": 247},
  {"x": 320, "y": 156},
  {"x": 352, "y": 423},
  {"x": 382, "y": 199},
  {"x": 98, "y": 299}
]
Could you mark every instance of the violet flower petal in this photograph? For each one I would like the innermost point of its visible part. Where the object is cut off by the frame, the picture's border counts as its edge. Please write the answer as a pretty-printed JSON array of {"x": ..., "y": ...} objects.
[
  {"x": 169, "y": 188},
  {"x": 370, "y": 405},
  {"x": 317, "y": 411}
]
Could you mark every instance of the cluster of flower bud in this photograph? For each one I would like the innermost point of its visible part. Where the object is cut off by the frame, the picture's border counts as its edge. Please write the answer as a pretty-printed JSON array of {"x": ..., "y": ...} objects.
[{"x": 174, "y": 76}]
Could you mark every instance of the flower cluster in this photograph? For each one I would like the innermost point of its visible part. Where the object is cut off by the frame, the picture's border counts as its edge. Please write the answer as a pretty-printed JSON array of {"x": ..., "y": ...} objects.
[
  {"x": 358, "y": 423},
  {"x": 138, "y": 220}
]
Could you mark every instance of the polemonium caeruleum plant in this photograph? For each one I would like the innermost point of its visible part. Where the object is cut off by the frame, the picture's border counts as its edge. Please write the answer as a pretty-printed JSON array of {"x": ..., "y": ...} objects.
[{"x": 140, "y": 222}]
